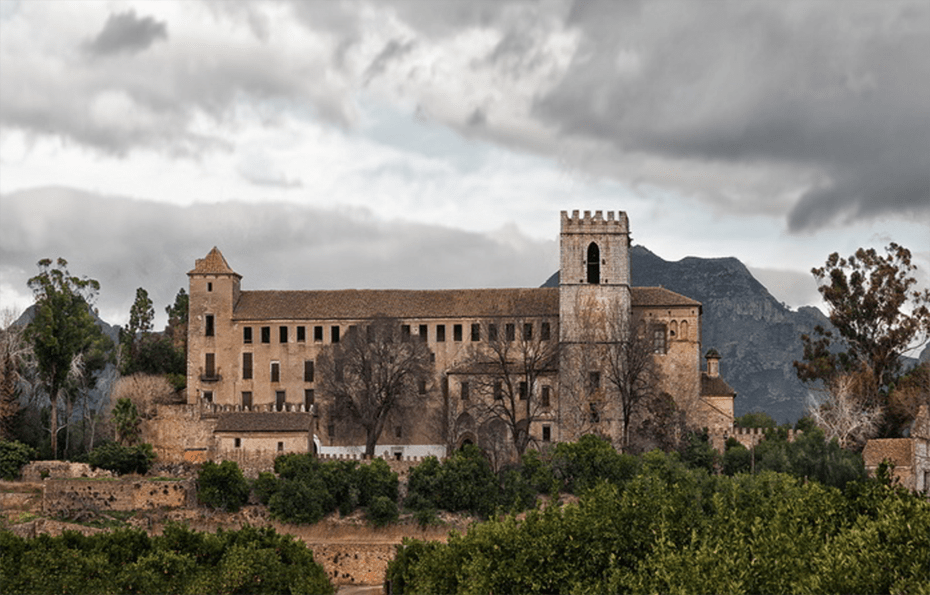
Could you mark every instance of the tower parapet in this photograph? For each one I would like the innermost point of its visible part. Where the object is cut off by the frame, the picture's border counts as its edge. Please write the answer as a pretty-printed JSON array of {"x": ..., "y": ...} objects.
[{"x": 575, "y": 223}]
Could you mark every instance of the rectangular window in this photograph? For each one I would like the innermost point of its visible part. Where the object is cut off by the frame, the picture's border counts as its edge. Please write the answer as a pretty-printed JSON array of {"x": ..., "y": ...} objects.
[
  {"x": 475, "y": 332},
  {"x": 301, "y": 334},
  {"x": 511, "y": 331},
  {"x": 464, "y": 386},
  {"x": 237, "y": 442},
  {"x": 405, "y": 332},
  {"x": 594, "y": 381},
  {"x": 246, "y": 399},
  {"x": 209, "y": 286},
  {"x": 209, "y": 325},
  {"x": 282, "y": 334},
  {"x": 547, "y": 434},
  {"x": 369, "y": 334},
  {"x": 266, "y": 334},
  {"x": 440, "y": 333},
  {"x": 208, "y": 396},
  {"x": 275, "y": 372},
  {"x": 280, "y": 447},
  {"x": 318, "y": 334},
  {"x": 247, "y": 335},
  {"x": 527, "y": 331},
  {"x": 352, "y": 330},
  {"x": 331, "y": 430},
  {"x": 334, "y": 334},
  {"x": 456, "y": 332},
  {"x": 309, "y": 399},
  {"x": 398, "y": 432},
  {"x": 280, "y": 399},
  {"x": 308, "y": 370},
  {"x": 544, "y": 397},
  {"x": 422, "y": 387},
  {"x": 492, "y": 332},
  {"x": 498, "y": 391},
  {"x": 658, "y": 338},
  {"x": 246, "y": 366},
  {"x": 544, "y": 332},
  {"x": 523, "y": 391},
  {"x": 209, "y": 367},
  {"x": 424, "y": 333}
]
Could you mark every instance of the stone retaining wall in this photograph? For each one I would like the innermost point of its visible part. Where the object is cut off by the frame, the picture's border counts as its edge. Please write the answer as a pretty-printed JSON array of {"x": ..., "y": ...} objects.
[{"x": 68, "y": 495}]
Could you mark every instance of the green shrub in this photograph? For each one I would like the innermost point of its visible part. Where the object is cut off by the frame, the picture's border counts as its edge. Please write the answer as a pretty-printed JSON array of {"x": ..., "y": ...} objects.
[
  {"x": 265, "y": 486},
  {"x": 382, "y": 511},
  {"x": 301, "y": 501},
  {"x": 222, "y": 486},
  {"x": 122, "y": 459},
  {"x": 375, "y": 479},
  {"x": 579, "y": 466},
  {"x": 13, "y": 457}
]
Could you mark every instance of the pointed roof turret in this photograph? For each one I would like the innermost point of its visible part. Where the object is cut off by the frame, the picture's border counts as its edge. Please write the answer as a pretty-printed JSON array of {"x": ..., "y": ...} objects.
[{"x": 213, "y": 264}]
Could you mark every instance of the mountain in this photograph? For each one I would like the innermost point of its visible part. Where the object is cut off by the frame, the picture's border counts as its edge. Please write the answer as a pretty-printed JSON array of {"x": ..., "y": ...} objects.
[{"x": 757, "y": 336}]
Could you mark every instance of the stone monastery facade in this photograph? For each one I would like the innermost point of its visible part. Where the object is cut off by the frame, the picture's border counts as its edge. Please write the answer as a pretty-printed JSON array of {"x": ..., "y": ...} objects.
[{"x": 253, "y": 355}]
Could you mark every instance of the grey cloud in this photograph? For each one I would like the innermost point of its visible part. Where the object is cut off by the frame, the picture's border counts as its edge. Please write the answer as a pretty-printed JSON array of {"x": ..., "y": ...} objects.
[
  {"x": 125, "y": 33},
  {"x": 841, "y": 91},
  {"x": 126, "y": 244},
  {"x": 392, "y": 50}
]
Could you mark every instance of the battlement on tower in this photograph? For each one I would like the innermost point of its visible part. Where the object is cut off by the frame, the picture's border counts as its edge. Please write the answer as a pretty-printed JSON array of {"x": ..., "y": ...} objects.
[{"x": 596, "y": 223}]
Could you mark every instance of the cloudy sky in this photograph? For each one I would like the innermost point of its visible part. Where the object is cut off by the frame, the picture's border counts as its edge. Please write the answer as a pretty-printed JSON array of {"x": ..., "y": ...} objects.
[{"x": 433, "y": 144}]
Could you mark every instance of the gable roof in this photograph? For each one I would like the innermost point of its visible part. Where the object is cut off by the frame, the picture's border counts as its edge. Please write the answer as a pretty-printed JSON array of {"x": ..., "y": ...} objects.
[
  {"x": 715, "y": 386},
  {"x": 357, "y": 304},
  {"x": 899, "y": 451},
  {"x": 659, "y": 296},
  {"x": 213, "y": 264},
  {"x": 263, "y": 422}
]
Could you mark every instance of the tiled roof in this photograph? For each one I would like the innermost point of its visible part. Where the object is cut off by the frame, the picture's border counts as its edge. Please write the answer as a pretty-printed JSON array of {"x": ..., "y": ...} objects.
[
  {"x": 213, "y": 264},
  {"x": 659, "y": 296},
  {"x": 263, "y": 422},
  {"x": 715, "y": 386},
  {"x": 900, "y": 451},
  {"x": 357, "y": 304}
]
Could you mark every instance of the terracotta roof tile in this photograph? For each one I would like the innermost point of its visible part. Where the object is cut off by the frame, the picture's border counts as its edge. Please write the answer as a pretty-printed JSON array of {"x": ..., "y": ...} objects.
[
  {"x": 659, "y": 296},
  {"x": 715, "y": 386},
  {"x": 263, "y": 422},
  {"x": 900, "y": 451},
  {"x": 358, "y": 304},
  {"x": 213, "y": 264}
]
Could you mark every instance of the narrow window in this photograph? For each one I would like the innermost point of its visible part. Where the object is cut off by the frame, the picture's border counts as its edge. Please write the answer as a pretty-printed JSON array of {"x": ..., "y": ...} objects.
[
  {"x": 280, "y": 399},
  {"x": 456, "y": 332},
  {"x": 246, "y": 366},
  {"x": 464, "y": 386},
  {"x": 308, "y": 370},
  {"x": 334, "y": 334},
  {"x": 309, "y": 399},
  {"x": 246, "y": 399},
  {"x": 318, "y": 334},
  {"x": 683, "y": 335},
  {"x": 331, "y": 430},
  {"x": 594, "y": 381},
  {"x": 475, "y": 332},
  {"x": 208, "y": 396},
  {"x": 523, "y": 391},
  {"x": 247, "y": 335},
  {"x": 209, "y": 365},
  {"x": 405, "y": 333},
  {"x": 544, "y": 397},
  {"x": 492, "y": 332},
  {"x": 498, "y": 391},
  {"x": 352, "y": 329},
  {"x": 282, "y": 334},
  {"x": 237, "y": 442},
  {"x": 544, "y": 332},
  {"x": 511, "y": 331},
  {"x": 422, "y": 387},
  {"x": 527, "y": 331},
  {"x": 275, "y": 371},
  {"x": 440, "y": 333},
  {"x": 547, "y": 434},
  {"x": 209, "y": 325},
  {"x": 398, "y": 432},
  {"x": 594, "y": 264},
  {"x": 280, "y": 447},
  {"x": 424, "y": 333},
  {"x": 595, "y": 415},
  {"x": 266, "y": 334},
  {"x": 301, "y": 334},
  {"x": 658, "y": 338},
  {"x": 209, "y": 286}
]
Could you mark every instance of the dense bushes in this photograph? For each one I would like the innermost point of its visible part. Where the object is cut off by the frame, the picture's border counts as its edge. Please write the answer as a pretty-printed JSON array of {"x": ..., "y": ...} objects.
[
  {"x": 122, "y": 459},
  {"x": 222, "y": 486},
  {"x": 249, "y": 560},
  {"x": 13, "y": 456},
  {"x": 307, "y": 489},
  {"x": 670, "y": 528}
]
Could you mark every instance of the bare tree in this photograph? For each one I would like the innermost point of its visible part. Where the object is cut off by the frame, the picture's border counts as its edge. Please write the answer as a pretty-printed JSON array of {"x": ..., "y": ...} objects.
[
  {"x": 145, "y": 391},
  {"x": 15, "y": 357},
  {"x": 373, "y": 372},
  {"x": 503, "y": 373},
  {"x": 845, "y": 408}
]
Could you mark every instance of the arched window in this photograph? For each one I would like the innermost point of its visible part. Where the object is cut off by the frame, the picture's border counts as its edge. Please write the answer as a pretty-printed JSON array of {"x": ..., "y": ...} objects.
[
  {"x": 594, "y": 263},
  {"x": 683, "y": 335},
  {"x": 673, "y": 330}
]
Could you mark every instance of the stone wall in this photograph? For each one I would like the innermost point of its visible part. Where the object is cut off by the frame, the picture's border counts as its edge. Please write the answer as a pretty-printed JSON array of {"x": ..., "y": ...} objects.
[
  {"x": 354, "y": 563},
  {"x": 178, "y": 430},
  {"x": 39, "y": 470},
  {"x": 62, "y": 496}
]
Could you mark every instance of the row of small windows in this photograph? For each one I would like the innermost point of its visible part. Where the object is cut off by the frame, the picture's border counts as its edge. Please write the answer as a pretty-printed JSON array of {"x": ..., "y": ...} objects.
[
  {"x": 280, "y": 399},
  {"x": 309, "y": 369},
  {"x": 491, "y": 333},
  {"x": 498, "y": 392}
]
